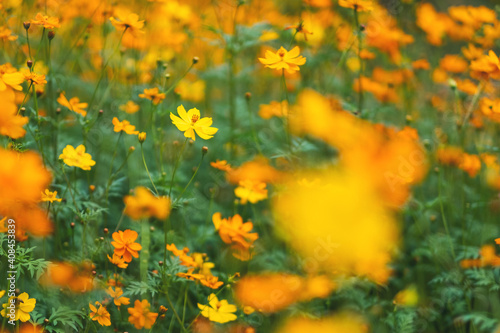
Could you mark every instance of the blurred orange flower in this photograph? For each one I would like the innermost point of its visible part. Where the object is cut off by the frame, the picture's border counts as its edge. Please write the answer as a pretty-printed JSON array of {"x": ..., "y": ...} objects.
[
  {"x": 233, "y": 231},
  {"x": 46, "y": 21},
  {"x": 73, "y": 104},
  {"x": 143, "y": 204},
  {"x": 359, "y": 5},
  {"x": 128, "y": 22},
  {"x": 141, "y": 315},
  {"x": 153, "y": 95},
  {"x": 101, "y": 315},
  {"x": 124, "y": 126},
  {"x": 251, "y": 191}
]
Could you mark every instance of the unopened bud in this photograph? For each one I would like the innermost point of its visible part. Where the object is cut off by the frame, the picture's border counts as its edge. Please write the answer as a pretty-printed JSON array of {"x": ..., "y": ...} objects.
[
  {"x": 29, "y": 63},
  {"x": 131, "y": 149},
  {"x": 106, "y": 231},
  {"x": 72, "y": 225},
  {"x": 204, "y": 150},
  {"x": 160, "y": 263},
  {"x": 142, "y": 137},
  {"x": 92, "y": 188},
  {"x": 26, "y": 25},
  {"x": 195, "y": 60},
  {"x": 51, "y": 35},
  {"x": 101, "y": 112}
]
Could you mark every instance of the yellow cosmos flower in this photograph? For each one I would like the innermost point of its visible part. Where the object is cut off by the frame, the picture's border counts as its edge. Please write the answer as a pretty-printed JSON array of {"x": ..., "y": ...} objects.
[
  {"x": 129, "y": 107},
  {"x": 50, "y": 196},
  {"x": 46, "y": 21},
  {"x": 218, "y": 311},
  {"x": 283, "y": 59},
  {"x": 23, "y": 306},
  {"x": 77, "y": 157},
  {"x": 249, "y": 190},
  {"x": 129, "y": 22},
  {"x": 124, "y": 126},
  {"x": 73, "y": 104},
  {"x": 101, "y": 315},
  {"x": 117, "y": 296},
  {"x": 359, "y": 5},
  {"x": 190, "y": 122}
]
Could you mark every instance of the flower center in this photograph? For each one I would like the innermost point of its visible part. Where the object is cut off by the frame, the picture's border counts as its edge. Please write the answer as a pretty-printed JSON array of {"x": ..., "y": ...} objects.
[
  {"x": 218, "y": 305},
  {"x": 194, "y": 118},
  {"x": 281, "y": 54}
]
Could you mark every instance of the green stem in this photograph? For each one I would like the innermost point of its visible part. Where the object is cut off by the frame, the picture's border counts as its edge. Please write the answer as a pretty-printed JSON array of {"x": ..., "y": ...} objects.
[
  {"x": 147, "y": 171},
  {"x": 145, "y": 241},
  {"x": 190, "y": 181},
  {"x": 443, "y": 216},
  {"x": 175, "y": 168}
]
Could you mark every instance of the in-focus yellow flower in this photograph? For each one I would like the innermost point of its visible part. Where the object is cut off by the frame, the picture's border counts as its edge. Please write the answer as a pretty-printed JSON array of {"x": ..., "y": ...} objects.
[
  {"x": 124, "y": 126},
  {"x": 141, "y": 316},
  {"x": 73, "y": 104},
  {"x": 359, "y": 5},
  {"x": 143, "y": 204},
  {"x": 190, "y": 122},
  {"x": 129, "y": 107},
  {"x": 218, "y": 311},
  {"x": 23, "y": 306},
  {"x": 249, "y": 190},
  {"x": 101, "y": 315},
  {"x": 283, "y": 59},
  {"x": 130, "y": 22},
  {"x": 77, "y": 157},
  {"x": 50, "y": 196},
  {"x": 153, "y": 95}
]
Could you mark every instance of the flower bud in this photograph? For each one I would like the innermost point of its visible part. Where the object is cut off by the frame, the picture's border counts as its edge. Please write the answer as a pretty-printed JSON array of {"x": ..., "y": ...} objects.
[
  {"x": 142, "y": 137},
  {"x": 51, "y": 34},
  {"x": 29, "y": 63},
  {"x": 204, "y": 150},
  {"x": 195, "y": 60},
  {"x": 26, "y": 25}
]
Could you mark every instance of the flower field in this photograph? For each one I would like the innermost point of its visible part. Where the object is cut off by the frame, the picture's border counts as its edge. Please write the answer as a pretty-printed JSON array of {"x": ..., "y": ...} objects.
[{"x": 250, "y": 166}]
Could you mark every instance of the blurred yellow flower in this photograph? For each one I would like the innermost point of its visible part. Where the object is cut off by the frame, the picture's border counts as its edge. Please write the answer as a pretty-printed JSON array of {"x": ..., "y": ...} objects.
[
  {"x": 73, "y": 104},
  {"x": 359, "y": 5},
  {"x": 153, "y": 95},
  {"x": 342, "y": 323},
  {"x": 129, "y": 22},
  {"x": 77, "y": 157},
  {"x": 129, "y": 107},
  {"x": 46, "y": 21},
  {"x": 251, "y": 191},
  {"x": 143, "y": 204},
  {"x": 407, "y": 297},
  {"x": 283, "y": 59},
  {"x": 50, "y": 196},
  {"x": 117, "y": 296},
  {"x": 190, "y": 122},
  {"x": 124, "y": 126},
  {"x": 141, "y": 315},
  {"x": 218, "y": 311}
]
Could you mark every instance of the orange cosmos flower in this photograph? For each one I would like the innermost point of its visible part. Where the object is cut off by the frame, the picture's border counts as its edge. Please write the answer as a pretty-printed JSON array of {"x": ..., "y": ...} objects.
[
  {"x": 73, "y": 104},
  {"x": 129, "y": 22},
  {"x": 125, "y": 244},
  {"x": 10, "y": 77},
  {"x": 143, "y": 204},
  {"x": 249, "y": 190},
  {"x": 234, "y": 231},
  {"x": 124, "y": 126},
  {"x": 221, "y": 165},
  {"x": 46, "y": 21},
  {"x": 283, "y": 59},
  {"x": 487, "y": 257},
  {"x": 101, "y": 315},
  {"x": 116, "y": 294},
  {"x": 359, "y": 5},
  {"x": 34, "y": 78},
  {"x": 487, "y": 66},
  {"x": 50, "y": 196},
  {"x": 118, "y": 261},
  {"x": 141, "y": 316},
  {"x": 11, "y": 124},
  {"x": 6, "y": 34},
  {"x": 153, "y": 95},
  {"x": 190, "y": 122},
  {"x": 273, "y": 109},
  {"x": 129, "y": 107},
  {"x": 77, "y": 157}
]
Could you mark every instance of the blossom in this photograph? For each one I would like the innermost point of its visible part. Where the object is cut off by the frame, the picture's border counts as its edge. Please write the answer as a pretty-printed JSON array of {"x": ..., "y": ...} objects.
[
  {"x": 130, "y": 22},
  {"x": 6, "y": 34},
  {"x": 125, "y": 244},
  {"x": 144, "y": 204},
  {"x": 211, "y": 281},
  {"x": 11, "y": 123},
  {"x": 34, "y": 78},
  {"x": 340, "y": 323},
  {"x": 124, "y": 126},
  {"x": 273, "y": 109},
  {"x": 190, "y": 122},
  {"x": 129, "y": 107},
  {"x": 12, "y": 79},
  {"x": 77, "y": 157},
  {"x": 23, "y": 306},
  {"x": 221, "y": 165},
  {"x": 116, "y": 294},
  {"x": 46, "y": 21},
  {"x": 101, "y": 315},
  {"x": 359, "y": 5},
  {"x": 407, "y": 297},
  {"x": 50, "y": 196},
  {"x": 141, "y": 316},
  {"x": 283, "y": 59},
  {"x": 218, "y": 311},
  {"x": 249, "y": 190},
  {"x": 118, "y": 261},
  {"x": 486, "y": 66},
  {"x": 153, "y": 94},
  {"x": 234, "y": 231},
  {"x": 73, "y": 104}
]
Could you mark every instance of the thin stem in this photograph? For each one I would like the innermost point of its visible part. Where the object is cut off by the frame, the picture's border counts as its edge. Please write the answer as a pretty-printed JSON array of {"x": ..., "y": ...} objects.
[
  {"x": 443, "y": 216},
  {"x": 147, "y": 171},
  {"x": 286, "y": 118},
  {"x": 175, "y": 168},
  {"x": 190, "y": 181},
  {"x": 175, "y": 313}
]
